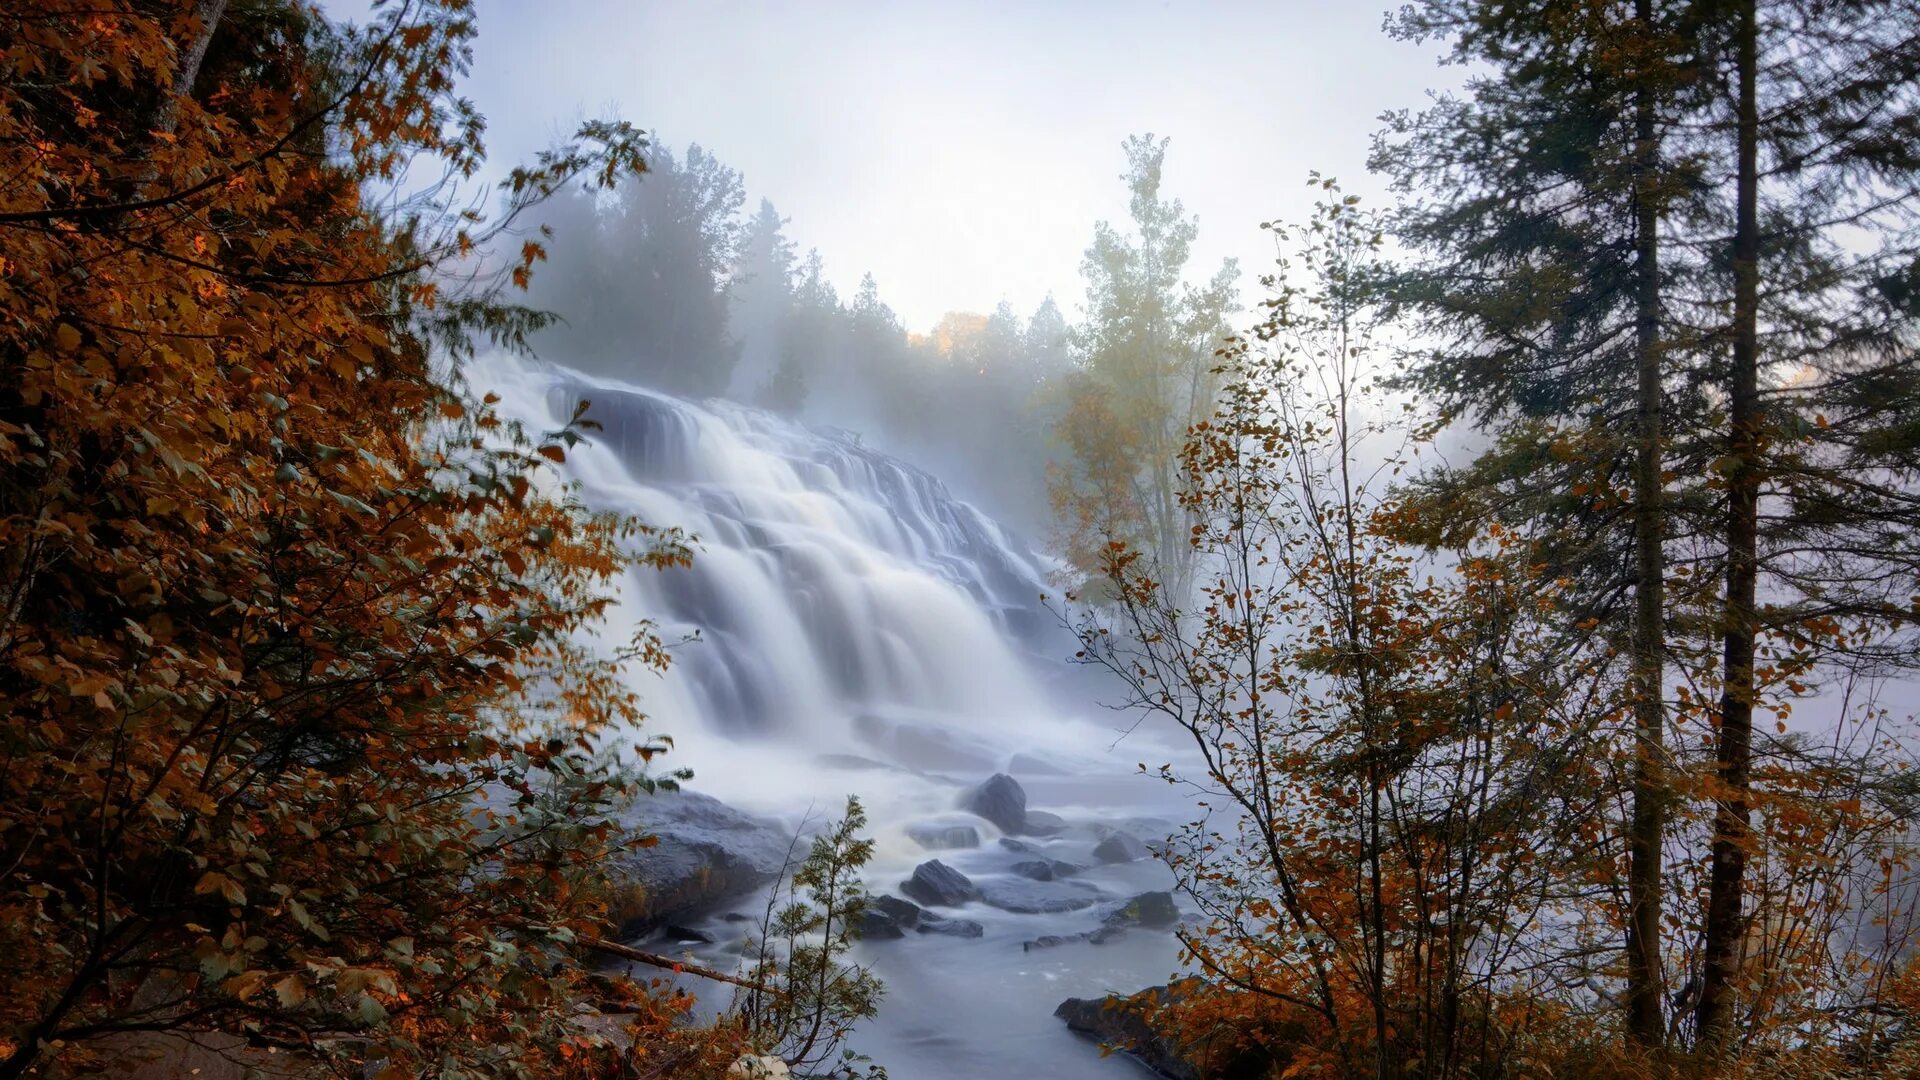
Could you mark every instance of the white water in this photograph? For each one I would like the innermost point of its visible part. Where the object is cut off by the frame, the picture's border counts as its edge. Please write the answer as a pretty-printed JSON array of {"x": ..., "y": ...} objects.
[{"x": 863, "y": 631}]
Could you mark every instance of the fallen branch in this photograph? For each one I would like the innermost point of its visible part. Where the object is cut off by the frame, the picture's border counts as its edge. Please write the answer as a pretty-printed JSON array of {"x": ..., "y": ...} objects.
[{"x": 639, "y": 956}]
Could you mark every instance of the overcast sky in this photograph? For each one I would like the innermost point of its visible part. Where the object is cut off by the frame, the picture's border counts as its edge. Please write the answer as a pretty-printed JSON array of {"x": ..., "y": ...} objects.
[{"x": 962, "y": 151}]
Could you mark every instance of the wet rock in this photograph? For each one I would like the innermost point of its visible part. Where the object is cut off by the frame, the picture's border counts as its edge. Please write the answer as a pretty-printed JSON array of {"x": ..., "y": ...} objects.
[
  {"x": 944, "y": 835},
  {"x": 1120, "y": 1022},
  {"x": 1025, "y": 897},
  {"x": 1120, "y": 847},
  {"x": 707, "y": 853},
  {"x": 931, "y": 923},
  {"x": 888, "y": 918},
  {"x": 686, "y": 933},
  {"x": 1041, "y": 823},
  {"x": 1150, "y": 909},
  {"x": 1000, "y": 800},
  {"x": 1029, "y": 765},
  {"x": 921, "y": 748},
  {"x": 1020, "y": 846},
  {"x": 1045, "y": 869},
  {"x": 939, "y": 885}
]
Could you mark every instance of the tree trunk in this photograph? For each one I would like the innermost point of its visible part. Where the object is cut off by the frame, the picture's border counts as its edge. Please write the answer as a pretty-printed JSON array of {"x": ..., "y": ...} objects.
[
  {"x": 206, "y": 16},
  {"x": 1726, "y": 926},
  {"x": 1645, "y": 992}
]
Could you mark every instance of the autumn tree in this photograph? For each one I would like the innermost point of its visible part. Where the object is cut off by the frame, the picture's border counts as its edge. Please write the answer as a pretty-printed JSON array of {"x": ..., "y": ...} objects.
[
  {"x": 303, "y": 734},
  {"x": 1146, "y": 356},
  {"x": 1401, "y": 809}
]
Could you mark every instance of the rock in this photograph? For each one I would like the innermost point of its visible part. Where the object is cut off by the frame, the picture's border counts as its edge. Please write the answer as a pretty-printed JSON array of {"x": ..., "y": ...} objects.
[
  {"x": 1037, "y": 897},
  {"x": 1000, "y": 800},
  {"x": 944, "y": 835},
  {"x": 920, "y": 747},
  {"x": 1029, "y": 765},
  {"x": 1120, "y": 1022},
  {"x": 1041, "y": 823},
  {"x": 888, "y": 918},
  {"x": 937, "y": 884},
  {"x": 931, "y": 923},
  {"x": 757, "y": 1067},
  {"x": 1045, "y": 869},
  {"x": 706, "y": 854},
  {"x": 686, "y": 933},
  {"x": 1120, "y": 847},
  {"x": 1150, "y": 909},
  {"x": 1020, "y": 846},
  {"x": 1153, "y": 910}
]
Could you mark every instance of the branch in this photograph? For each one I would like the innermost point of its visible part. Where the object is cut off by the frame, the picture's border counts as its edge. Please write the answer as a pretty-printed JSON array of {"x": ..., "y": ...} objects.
[{"x": 628, "y": 952}]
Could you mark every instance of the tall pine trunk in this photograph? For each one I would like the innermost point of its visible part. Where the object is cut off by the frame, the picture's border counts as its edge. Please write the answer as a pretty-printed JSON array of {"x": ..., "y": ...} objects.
[
  {"x": 1645, "y": 992},
  {"x": 1726, "y": 927}
]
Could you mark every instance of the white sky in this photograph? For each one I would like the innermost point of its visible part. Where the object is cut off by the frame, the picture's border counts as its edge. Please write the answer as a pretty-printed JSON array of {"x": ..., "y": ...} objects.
[{"x": 962, "y": 151}]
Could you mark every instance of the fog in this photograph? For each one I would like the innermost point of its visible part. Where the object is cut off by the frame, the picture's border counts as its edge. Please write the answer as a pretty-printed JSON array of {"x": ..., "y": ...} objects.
[{"x": 911, "y": 311}]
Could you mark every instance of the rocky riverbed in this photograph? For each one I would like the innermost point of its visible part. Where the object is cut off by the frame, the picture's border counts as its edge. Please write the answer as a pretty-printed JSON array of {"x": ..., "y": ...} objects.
[{"x": 988, "y": 914}]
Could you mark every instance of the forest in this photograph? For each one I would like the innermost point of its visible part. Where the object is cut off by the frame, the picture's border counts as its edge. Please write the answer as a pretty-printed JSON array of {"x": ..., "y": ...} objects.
[{"x": 465, "y": 617}]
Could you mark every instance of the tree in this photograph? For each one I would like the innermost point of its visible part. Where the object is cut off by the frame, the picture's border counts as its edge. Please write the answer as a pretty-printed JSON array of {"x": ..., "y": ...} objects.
[
  {"x": 1805, "y": 310},
  {"x": 1596, "y": 217},
  {"x": 763, "y": 296},
  {"x": 1548, "y": 187},
  {"x": 301, "y": 737},
  {"x": 1146, "y": 357},
  {"x": 805, "y": 997},
  {"x": 1397, "y": 780},
  {"x": 648, "y": 299}
]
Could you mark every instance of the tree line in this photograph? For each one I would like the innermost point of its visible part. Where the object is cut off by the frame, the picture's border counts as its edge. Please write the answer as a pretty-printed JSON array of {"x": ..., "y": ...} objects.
[
  {"x": 308, "y": 746},
  {"x": 1564, "y": 756}
]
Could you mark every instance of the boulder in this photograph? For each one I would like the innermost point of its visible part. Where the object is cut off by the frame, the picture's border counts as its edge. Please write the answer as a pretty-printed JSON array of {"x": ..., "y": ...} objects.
[
  {"x": 1149, "y": 909},
  {"x": 1041, "y": 823},
  {"x": 932, "y": 923},
  {"x": 1020, "y": 846},
  {"x": 936, "y": 884},
  {"x": 1120, "y": 847},
  {"x": 1030, "y": 765},
  {"x": 1044, "y": 869},
  {"x": 1026, "y": 897},
  {"x": 706, "y": 854},
  {"x": 1000, "y": 800},
  {"x": 944, "y": 835},
  {"x": 1121, "y": 1022},
  {"x": 888, "y": 918},
  {"x": 685, "y": 933},
  {"x": 1096, "y": 937}
]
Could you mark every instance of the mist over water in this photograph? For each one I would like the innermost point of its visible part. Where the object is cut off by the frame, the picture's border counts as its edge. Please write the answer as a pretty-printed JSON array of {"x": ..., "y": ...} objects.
[{"x": 862, "y": 631}]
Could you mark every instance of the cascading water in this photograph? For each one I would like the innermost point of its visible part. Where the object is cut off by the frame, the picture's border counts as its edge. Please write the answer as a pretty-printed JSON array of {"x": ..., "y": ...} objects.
[{"x": 860, "y": 630}]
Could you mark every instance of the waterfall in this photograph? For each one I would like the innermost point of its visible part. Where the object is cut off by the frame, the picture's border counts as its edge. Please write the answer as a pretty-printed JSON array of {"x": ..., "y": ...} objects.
[{"x": 841, "y": 597}]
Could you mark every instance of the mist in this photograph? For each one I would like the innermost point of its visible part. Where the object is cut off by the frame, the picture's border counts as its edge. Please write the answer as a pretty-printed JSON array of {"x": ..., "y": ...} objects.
[{"x": 853, "y": 540}]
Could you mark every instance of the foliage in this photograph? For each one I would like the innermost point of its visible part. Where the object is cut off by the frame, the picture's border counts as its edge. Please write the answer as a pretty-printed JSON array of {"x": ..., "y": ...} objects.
[
  {"x": 808, "y": 997},
  {"x": 1412, "y": 844},
  {"x": 1145, "y": 375},
  {"x": 305, "y": 736}
]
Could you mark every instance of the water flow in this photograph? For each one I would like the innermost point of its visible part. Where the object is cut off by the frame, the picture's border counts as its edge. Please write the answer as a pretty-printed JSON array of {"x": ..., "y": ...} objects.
[{"x": 862, "y": 630}]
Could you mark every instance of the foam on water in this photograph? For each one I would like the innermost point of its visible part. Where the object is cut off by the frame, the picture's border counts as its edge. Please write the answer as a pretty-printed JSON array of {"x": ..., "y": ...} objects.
[{"x": 861, "y": 630}]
